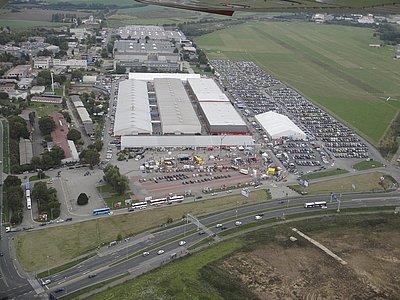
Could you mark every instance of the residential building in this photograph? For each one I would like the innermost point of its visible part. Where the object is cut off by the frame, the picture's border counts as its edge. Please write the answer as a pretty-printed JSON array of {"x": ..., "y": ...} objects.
[{"x": 18, "y": 72}]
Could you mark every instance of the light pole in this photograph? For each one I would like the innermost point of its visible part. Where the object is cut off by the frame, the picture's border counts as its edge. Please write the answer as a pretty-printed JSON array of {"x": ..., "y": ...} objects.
[
  {"x": 220, "y": 145},
  {"x": 48, "y": 265},
  {"x": 339, "y": 200},
  {"x": 236, "y": 211}
]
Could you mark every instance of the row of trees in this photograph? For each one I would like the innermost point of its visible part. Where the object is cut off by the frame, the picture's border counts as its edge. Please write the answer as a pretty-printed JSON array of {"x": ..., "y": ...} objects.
[
  {"x": 46, "y": 199},
  {"x": 17, "y": 130},
  {"x": 114, "y": 178},
  {"x": 389, "y": 34},
  {"x": 15, "y": 197}
]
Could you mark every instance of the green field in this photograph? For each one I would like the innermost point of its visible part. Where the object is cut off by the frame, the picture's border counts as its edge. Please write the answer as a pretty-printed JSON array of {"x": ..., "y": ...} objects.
[
  {"x": 365, "y": 165},
  {"x": 332, "y": 65},
  {"x": 16, "y": 24},
  {"x": 332, "y": 172}
]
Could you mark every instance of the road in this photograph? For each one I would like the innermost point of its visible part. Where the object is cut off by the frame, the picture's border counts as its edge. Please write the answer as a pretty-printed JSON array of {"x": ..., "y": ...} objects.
[
  {"x": 104, "y": 263},
  {"x": 10, "y": 281}
]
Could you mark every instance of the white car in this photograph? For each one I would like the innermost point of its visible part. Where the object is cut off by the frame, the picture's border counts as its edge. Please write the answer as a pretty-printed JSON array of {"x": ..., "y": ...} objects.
[
  {"x": 46, "y": 281},
  {"x": 160, "y": 252},
  {"x": 181, "y": 243},
  {"x": 238, "y": 223},
  {"x": 258, "y": 217},
  {"x": 218, "y": 225},
  {"x": 145, "y": 253}
]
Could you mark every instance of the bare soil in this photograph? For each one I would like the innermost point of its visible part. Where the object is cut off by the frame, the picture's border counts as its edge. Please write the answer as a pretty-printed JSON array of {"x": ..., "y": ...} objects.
[{"x": 299, "y": 270}]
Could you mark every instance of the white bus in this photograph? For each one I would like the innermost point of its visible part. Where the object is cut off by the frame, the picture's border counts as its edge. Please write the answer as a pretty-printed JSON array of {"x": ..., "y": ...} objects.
[
  {"x": 159, "y": 201},
  {"x": 139, "y": 205},
  {"x": 28, "y": 202},
  {"x": 175, "y": 199},
  {"x": 319, "y": 204}
]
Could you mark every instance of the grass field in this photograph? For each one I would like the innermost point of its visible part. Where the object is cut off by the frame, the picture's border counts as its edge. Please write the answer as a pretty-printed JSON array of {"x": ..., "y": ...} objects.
[
  {"x": 45, "y": 109},
  {"x": 83, "y": 237},
  {"x": 362, "y": 183},
  {"x": 330, "y": 64},
  {"x": 16, "y": 24}
]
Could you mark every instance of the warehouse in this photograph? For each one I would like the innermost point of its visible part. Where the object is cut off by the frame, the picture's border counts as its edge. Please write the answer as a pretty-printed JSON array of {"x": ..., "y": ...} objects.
[
  {"x": 132, "y": 115},
  {"x": 176, "y": 112},
  {"x": 221, "y": 117},
  {"x": 193, "y": 141},
  {"x": 152, "y": 76},
  {"x": 278, "y": 126},
  {"x": 206, "y": 90}
]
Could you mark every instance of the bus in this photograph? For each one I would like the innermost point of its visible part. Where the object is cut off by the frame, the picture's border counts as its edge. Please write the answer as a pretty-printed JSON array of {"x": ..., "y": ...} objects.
[
  {"x": 139, "y": 205},
  {"x": 175, "y": 199},
  {"x": 101, "y": 211},
  {"x": 159, "y": 201},
  {"x": 319, "y": 204},
  {"x": 28, "y": 202}
]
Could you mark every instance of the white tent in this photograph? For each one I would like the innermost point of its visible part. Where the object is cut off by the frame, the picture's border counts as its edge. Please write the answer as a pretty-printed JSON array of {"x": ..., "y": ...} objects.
[{"x": 279, "y": 126}]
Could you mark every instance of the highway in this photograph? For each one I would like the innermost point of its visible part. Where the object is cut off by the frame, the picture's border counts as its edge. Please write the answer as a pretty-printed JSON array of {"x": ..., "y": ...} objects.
[{"x": 103, "y": 264}]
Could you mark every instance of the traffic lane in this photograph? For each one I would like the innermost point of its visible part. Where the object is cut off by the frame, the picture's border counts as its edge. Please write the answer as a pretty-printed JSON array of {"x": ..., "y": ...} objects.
[
  {"x": 124, "y": 267},
  {"x": 190, "y": 240},
  {"x": 19, "y": 292},
  {"x": 113, "y": 256}
]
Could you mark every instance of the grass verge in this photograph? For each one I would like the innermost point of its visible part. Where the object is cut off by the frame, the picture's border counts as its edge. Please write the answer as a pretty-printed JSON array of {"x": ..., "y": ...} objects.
[
  {"x": 63, "y": 267},
  {"x": 365, "y": 165},
  {"x": 74, "y": 295},
  {"x": 324, "y": 174}
]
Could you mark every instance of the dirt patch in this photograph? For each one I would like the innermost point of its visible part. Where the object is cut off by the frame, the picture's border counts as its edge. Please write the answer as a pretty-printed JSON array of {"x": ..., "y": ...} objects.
[{"x": 285, "y": 270}]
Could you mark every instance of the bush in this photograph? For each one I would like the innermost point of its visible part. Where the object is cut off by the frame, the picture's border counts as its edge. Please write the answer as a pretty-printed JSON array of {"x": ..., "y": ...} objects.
[{"x": 83, "y": 199}]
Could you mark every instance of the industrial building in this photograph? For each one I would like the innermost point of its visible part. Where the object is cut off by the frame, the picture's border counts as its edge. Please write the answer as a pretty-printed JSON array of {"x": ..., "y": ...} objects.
[
  {"x": 219, "y": 114},
  {"x": 83, "y": 115},
  {"x": 144, "y": 50},
  {"x": 132, "y": 115},
  {"x": 193, "y": 141},
  {"x": 278, "y": 126},
  {"x": 221, "y": 117},
  {"x": 206, "y": 90},
  {"x": 153, "y": 32},
  {"x": 152, "y": 76},
  {"x": 176, "y": 112}
]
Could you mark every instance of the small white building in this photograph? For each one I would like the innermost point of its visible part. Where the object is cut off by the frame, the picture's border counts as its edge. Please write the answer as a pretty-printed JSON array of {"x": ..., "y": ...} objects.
[
  {"x": 89, "y": 79},
  {"x": 42, "y": 62},
  {"x": 38, "y": 89}
]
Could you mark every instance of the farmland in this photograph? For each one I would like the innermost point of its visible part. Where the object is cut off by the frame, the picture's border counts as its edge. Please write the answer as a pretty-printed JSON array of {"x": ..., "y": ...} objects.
[{"x": 329, "y": 64}]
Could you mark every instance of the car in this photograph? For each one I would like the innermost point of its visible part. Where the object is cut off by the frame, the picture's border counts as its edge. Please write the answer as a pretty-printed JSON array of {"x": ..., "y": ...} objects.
[
  {"x": 92, "y": 275},
  {"x": 68, "y": 219},
  {"x": 59, "y": 290},
  {"x": 218, "y": 225},
  {"x": 258, "y": 217},
  {"x": 223, "y": 228},
  {"x": 46, "y": 281},
  {"x": 59, "y": 221},
  {"x": 161, "y": 251},
  {"x": 181, "y": 243},
  {"x": 238, "y": 223},
  {"x": 42, "y": 224},
  {"x": 201, "y": 232},
  {"x": 1, "y": 254},
  {"x": 145, "y": 254}
]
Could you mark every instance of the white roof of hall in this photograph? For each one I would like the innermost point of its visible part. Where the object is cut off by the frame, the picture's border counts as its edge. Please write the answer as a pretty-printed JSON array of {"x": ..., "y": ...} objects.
[
  {"x": 186, "y": 141},
  {"x": 206, "y": 89},
  {"x": 221, "y": 113},
  {"x": 278, "y": 125},
  {"x": 132, "y": 116},
  {"x": 177, "y": 114},
  {"x": 152, "y": 76}
]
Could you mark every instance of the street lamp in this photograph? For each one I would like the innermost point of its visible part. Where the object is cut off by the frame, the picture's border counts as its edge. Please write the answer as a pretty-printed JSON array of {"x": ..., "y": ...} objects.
[{"x": 220, "y": 145}]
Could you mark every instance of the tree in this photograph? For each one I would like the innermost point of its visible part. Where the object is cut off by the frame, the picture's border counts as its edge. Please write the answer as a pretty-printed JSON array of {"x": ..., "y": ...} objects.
[
  {"x": 74, "y": 135},
  {"x": 92, "y": 157},
  {"x": 17, "y": 127},
  {"x": 41, "y": 174},
  {"x": 11, "y": 180},
  {"x": 121, "y": 185},
  {"x": 3, "y": 95},
  {"x": 120, "y": 69},
  {"x": 36, "y": 162},
  {"x": 46, "y": 125},
  {"x": 77, "y": 74},
  {"x": 57, "y": 154},
  {"x": 82, "y": 199},
  {"x": 44, "y": 78}
]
